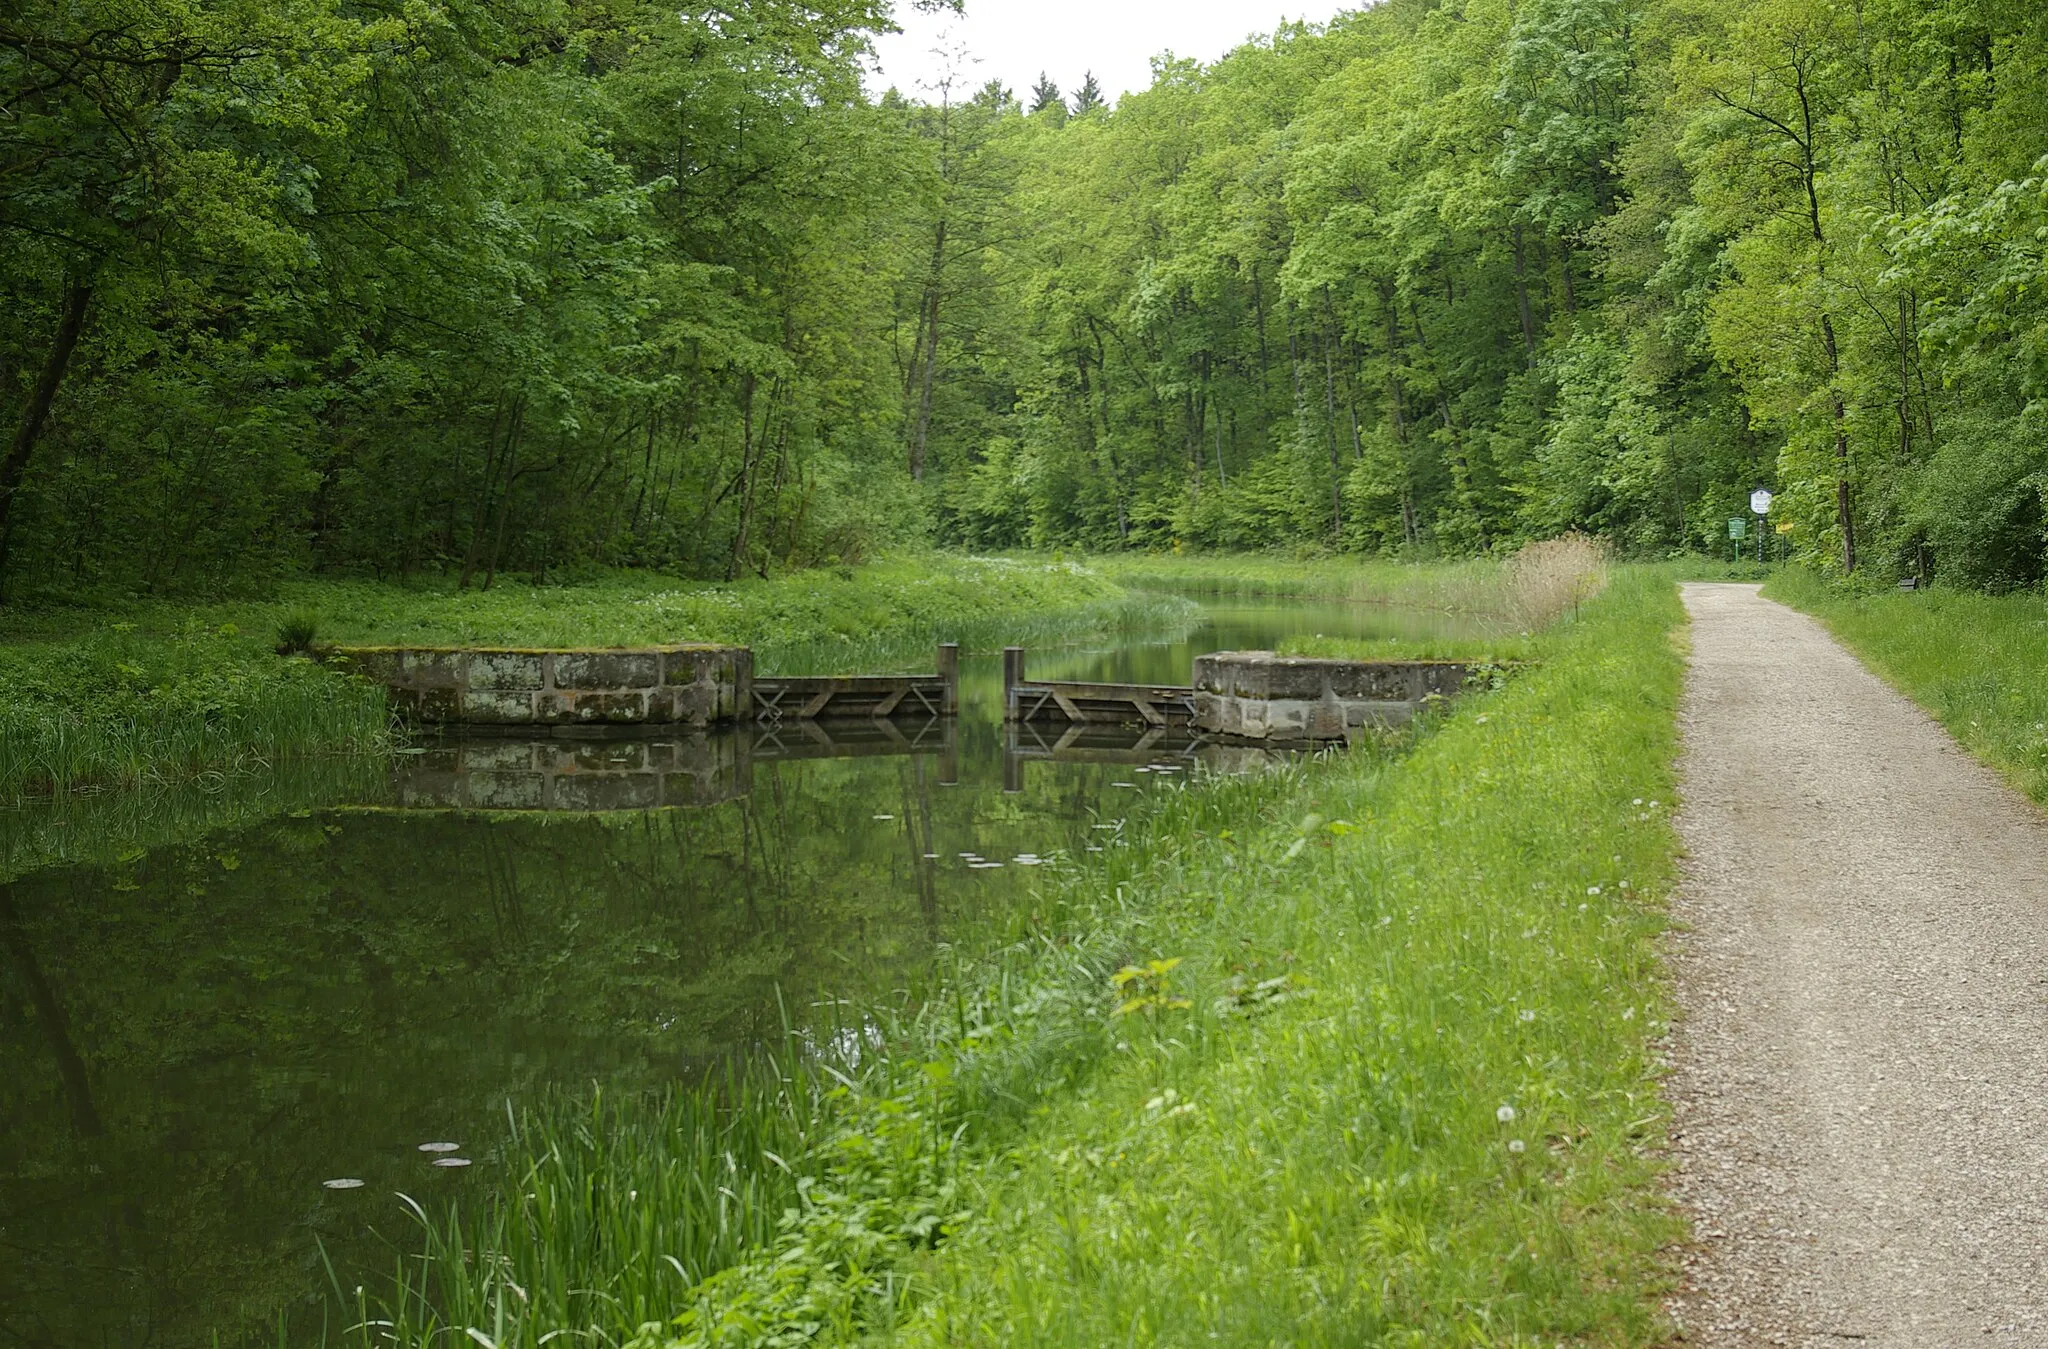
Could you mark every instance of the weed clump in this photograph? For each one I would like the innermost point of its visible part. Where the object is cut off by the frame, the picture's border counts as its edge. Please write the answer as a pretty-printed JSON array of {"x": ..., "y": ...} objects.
[{"x": 295, "y": 635}]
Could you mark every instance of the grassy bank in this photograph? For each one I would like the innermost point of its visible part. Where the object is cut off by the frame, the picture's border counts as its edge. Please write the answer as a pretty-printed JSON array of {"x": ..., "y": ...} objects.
[
  {"x": 1973, "y": 661},
  {"x": 156, "y": 691},
  {"x": 1359, "y": 1052}
]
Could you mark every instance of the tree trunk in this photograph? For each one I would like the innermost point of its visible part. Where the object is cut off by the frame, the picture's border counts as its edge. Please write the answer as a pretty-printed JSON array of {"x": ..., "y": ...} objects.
[
  {"x": 1330, "y": 435},
  {"x": 85, "y": 1115},
  {"x": 1522, "y": 296},
  {"x": 1843, "y": 516},
  {"x": 921, "y": 426},
  {"x": 14, "y": 468}
]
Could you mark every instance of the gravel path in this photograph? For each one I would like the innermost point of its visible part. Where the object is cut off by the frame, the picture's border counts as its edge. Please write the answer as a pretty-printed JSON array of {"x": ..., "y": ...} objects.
[{"x": 1861, "y": 1068}]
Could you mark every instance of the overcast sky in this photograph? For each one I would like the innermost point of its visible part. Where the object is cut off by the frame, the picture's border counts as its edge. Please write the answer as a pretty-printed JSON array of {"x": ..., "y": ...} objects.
[{"x": 1012, "y": 40}]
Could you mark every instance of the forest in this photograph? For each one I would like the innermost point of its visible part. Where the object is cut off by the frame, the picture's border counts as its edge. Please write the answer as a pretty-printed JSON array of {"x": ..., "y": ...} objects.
[{"x": 529, "y": 288}]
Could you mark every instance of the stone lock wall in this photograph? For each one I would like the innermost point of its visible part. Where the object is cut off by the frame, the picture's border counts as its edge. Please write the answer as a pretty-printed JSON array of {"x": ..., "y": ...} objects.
[
  {"x": 687, "y": 686},
  {"x": 1257, "y": 695}
]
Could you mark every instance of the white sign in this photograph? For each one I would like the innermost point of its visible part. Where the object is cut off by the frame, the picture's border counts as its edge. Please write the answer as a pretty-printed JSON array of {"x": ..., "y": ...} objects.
[{"x": 1760, "y": 501}]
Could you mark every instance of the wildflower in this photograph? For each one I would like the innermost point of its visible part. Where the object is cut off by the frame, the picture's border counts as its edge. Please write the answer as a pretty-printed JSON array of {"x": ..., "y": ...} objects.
[
  {"x": 1528, "y": 1014},
  {"x": 1592, "y": 889},
  {"x": 1638, "y": 801},
  {"x": 1516, "y": 1145},
  {"x": 1506, "y": 1114}
]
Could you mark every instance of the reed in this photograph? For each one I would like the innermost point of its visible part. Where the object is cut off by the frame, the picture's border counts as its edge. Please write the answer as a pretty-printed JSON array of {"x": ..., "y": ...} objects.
[
  {"x": 180, "y": 732},
  {"x": 1524, "y": 591},
  {"x": 617, "y": 1206}
]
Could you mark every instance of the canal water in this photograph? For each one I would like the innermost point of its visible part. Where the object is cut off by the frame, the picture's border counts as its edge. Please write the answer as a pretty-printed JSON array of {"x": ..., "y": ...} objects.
[{"x": 199, "y": 1039}]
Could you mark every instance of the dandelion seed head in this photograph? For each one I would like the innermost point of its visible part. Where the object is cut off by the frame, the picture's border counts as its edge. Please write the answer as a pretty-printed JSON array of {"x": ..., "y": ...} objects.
[
  {"x": 1516, "y": 1146},
  {"x": 1506, "y": 1114}
]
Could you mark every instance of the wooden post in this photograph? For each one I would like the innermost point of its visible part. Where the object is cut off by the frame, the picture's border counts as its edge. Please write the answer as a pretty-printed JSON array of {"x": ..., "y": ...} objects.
[
  {"x": 949, "y": 754},
  {"x": 949, "y": 671},
  {"x": 1013, "y": 675},
  {"x": 1013, "y": 754}
]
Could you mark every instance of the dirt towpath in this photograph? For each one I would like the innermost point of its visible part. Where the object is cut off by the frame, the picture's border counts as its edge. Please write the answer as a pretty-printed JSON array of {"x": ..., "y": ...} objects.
[{"x": 1861, "y": 1066}]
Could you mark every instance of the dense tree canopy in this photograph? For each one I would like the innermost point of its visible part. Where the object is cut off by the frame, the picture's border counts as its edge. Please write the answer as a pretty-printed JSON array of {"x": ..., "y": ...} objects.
[{"x": 467, "y": 288}]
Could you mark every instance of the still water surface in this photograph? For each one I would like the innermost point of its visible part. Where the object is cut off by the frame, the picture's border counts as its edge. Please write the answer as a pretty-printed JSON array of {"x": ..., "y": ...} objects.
[{"x": 195, "y": 1038}]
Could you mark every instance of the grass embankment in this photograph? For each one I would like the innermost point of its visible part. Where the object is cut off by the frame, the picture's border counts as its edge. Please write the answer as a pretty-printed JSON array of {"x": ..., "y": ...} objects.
[
  {"x": 1356, "y": 1053},
  {"x": 156, "y": 691},
  {"x": 1973, "y": 661}
]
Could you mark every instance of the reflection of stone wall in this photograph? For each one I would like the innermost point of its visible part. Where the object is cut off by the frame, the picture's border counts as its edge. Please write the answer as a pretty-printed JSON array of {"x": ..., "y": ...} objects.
[
  {"x": 689, "y": 686},
  {"x": 575, "y": 775},
  {"x": 1261, "y": 696}
]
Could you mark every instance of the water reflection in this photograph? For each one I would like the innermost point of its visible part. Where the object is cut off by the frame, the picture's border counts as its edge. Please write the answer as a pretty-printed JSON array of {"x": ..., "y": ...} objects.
[{"x": 584, "y": 776}]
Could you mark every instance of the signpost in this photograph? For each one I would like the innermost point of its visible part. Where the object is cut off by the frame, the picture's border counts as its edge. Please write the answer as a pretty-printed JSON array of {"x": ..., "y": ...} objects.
[{"x": 1760, "y": 502}]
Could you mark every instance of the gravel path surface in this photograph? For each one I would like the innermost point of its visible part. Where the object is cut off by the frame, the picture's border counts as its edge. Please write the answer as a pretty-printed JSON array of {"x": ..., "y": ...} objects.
[{"x": 1861, "y": 1068}]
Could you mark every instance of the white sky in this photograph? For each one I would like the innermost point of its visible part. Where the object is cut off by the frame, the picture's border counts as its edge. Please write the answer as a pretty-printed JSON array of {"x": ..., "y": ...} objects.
[{"x": 1012, "y": 40}]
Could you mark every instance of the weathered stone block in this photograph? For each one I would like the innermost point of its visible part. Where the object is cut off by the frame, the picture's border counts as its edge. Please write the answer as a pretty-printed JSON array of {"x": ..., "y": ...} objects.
[
  {"x": 696, "y": 706},
  {"x": 520, "y": 670},
  {"x": 434, "y": 669},
  {"x": 607, "y": 669},
  {"x": 571, "y": 707},
  {"x": 486, "y": 707},
  {"x": 441, "y": 706}
]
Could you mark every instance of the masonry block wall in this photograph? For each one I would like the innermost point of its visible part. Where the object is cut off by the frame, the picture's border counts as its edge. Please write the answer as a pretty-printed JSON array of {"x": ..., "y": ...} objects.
[
  {"x": 1258, "y": 695},
  {"x": 687, "y": 686}
]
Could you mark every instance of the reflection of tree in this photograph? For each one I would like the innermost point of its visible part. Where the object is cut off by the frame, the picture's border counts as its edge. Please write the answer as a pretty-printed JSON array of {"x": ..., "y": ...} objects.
[
  {"x": 85, "y": 1117},
  {"x": 917, "y": 817}
]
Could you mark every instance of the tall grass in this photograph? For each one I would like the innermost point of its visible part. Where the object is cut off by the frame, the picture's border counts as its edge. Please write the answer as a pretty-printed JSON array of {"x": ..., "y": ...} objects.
[
  {"x": 617, "y": 1206},
  {"x": 118, "y": 725},
  {"x": 1973, "y": 661}
]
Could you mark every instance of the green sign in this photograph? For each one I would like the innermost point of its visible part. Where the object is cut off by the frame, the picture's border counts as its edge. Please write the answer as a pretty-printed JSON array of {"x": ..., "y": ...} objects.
[{"x": 1738, "y": 528}]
